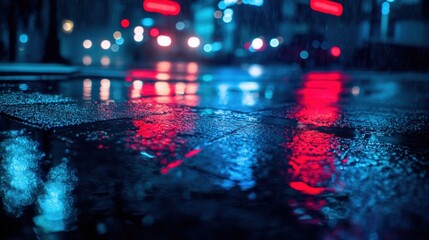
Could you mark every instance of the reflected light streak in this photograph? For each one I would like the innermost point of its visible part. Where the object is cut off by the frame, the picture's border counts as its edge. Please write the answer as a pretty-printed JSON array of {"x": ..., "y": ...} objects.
[
  {"x": 248, "y": 99},
  {"x": 142, "y": 74},
  {"x": 191, "y": 78},
  {"x": 87, "y": 60},
  {"x": 248, "y": 86},
  {"x": 256, "y": 70},
  {"x": 105, "y": 61},
  {"x": 192, "y": 68},
  {"x": 180, "y": 88},
  {"x": 163, "y": 66},
  {"x": 192, "y": 88},
  {"x": 223, "y": 93},
  {"x": 87, "y": 89},
  {"x": 162, "y": 88},
  {"x": 324, "y": 76},
  {"x": 137, "y": 86},
  {"x": 163, "y": 76},
  {"x": 104, "y": 89}
]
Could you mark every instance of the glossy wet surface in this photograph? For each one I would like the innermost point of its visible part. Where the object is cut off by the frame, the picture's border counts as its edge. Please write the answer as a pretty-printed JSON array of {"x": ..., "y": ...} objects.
[{"x": 230, "y": 153}]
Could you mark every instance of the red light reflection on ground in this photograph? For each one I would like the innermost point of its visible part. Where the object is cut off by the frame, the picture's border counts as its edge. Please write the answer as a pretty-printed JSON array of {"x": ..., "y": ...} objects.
[
  {"x": 312, "y": 160},
  {"x": 192, "y": 153},
  {"x": 165, "y": 71},
  {"x": 160, "y": 134},
  {"x": 171, "y": 165}
]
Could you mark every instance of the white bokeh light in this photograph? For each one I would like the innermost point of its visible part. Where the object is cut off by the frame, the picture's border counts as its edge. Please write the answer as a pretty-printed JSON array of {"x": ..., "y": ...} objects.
[
  {"x": 257, "y": 43},
  {"x": 87, "y": 44},
  {"x": 105, "y": 44},
  {"x": 194, "y": 42},
  {"x": 163, "y": 40}
]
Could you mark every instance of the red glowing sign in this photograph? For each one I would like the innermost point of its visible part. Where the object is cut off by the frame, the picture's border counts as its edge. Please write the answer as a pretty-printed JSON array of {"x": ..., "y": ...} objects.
[
  {"x": 328, "y": 7},
  {"x": 166, "y": 7}
]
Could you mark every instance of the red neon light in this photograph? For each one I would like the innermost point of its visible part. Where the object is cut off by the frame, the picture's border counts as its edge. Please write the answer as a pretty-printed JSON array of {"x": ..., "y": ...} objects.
[
  {"x": 328, "y": 7},
  {"x": 335, "y": 51},
  {"x": 166, "y": 7}
]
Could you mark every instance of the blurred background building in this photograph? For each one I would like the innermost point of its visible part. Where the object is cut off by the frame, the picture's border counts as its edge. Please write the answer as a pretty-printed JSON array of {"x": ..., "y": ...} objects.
[{"x": 378, "y": 34}]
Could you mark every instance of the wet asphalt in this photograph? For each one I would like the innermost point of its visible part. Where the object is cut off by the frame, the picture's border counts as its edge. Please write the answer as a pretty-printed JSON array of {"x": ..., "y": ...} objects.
[{"x": 184, "y": 152}]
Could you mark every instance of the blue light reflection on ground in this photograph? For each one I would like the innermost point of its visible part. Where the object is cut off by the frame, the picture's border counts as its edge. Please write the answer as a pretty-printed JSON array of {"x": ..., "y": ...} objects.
[
  {"x": 55, "y": 204},
  {"x": 19, "y": 171}
]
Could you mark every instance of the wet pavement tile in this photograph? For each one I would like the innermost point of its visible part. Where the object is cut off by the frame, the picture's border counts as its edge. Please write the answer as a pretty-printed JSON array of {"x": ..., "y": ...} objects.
[{"x": 313, "y": 159}]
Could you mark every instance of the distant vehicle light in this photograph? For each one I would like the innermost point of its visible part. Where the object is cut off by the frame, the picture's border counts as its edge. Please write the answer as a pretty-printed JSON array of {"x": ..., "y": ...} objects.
[
  {"x": 117, "y": 35},
  {"x": 180, "y": 26},
  {"x": 138, "y": 37},
  {"x": 221, "y": 5},
  {"x": 257, "y": 44},
  {"x": 304, "y": 54},
  {"x": 163, "y": 40},
  {"x": 255, "y": 70},
  {"x": 228, "y": 11},
  {"x": 138, "y": 30},
  {"x": 68, "y": 26},
  {"x": 385, "y": 8},
  {"x": 120, "y": 41},
  {"x": 335, "y": 51},
  {"x": 254, "y": 2},
  {"x": 274, "y": 42},
  {"x": 105, "y": 44},
  {"x": 87, "y": 44},
  {"x": 125, "y": 23},
  {"x": 154, "y": 32},
  {"x": 208, "y": 48},
  {"x": 23, "y": 38},
  {"x": 166, "y": 7},
  {"x": 194, "y": 42},
  {"x": 148, "y": 22},
  {"x": 328, "y": 7},
  {"x": 216, "y": 46},
  {"x": 227, "y": 18}
]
